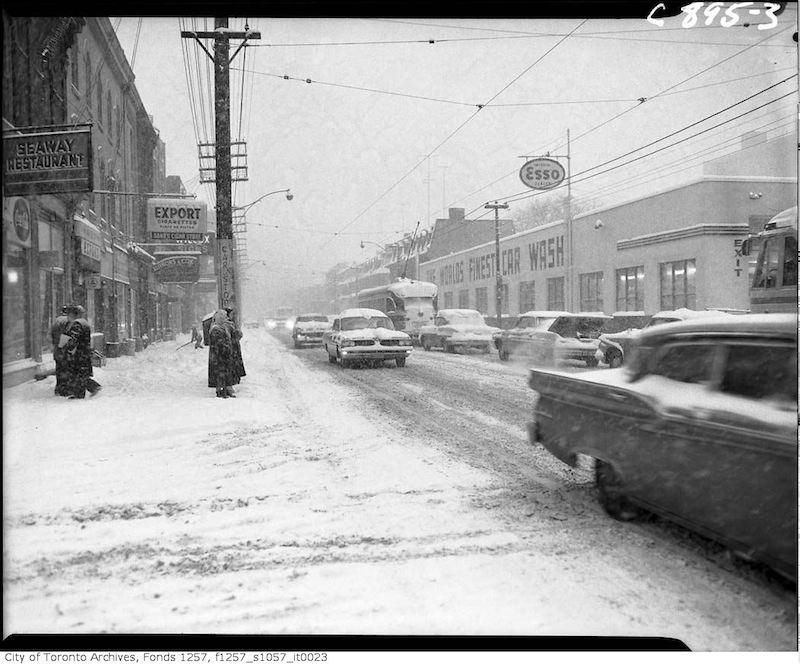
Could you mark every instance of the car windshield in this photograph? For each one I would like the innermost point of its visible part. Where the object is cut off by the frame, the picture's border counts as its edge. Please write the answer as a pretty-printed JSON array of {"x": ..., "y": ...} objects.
[
  {"x": 363, "y": 323},
  {"x": 312, "y": 319},
  {"x": 463, "y": 318},
  {"x": 533, "y": 321},
  {"x": 577, "y": 327}
]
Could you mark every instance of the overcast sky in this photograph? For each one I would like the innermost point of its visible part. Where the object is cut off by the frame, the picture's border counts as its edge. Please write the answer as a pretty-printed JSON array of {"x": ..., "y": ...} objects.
[{"x": 389, "y": 131}]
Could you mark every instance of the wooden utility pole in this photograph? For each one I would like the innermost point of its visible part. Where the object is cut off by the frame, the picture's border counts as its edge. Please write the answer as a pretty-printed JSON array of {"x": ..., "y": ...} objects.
[
  {"x": 498, "y": 289},
  {"x": 226, "y": 273}
]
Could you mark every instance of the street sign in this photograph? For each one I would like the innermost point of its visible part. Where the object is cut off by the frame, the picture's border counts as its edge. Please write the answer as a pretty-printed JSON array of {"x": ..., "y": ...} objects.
[{"x": 542, "y": 173}]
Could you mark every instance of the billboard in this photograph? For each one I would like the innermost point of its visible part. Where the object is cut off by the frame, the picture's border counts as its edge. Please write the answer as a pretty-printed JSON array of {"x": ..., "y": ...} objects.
[
  {"x": 47, "y": 162},
  {"x": 176, "y": 219}
]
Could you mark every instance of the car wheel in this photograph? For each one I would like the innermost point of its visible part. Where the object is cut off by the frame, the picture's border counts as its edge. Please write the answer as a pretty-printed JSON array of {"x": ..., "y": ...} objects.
[
  {"x": 591, "y": 362},
  {"x": 614, "y": 358},
  {"x": 611, "y": 493},
  {"x": 331, "y": 358},
  {"x": 426, "y": 345},
  {"x": 503, "y": 352},
  {"x": 401, "y": 361}
]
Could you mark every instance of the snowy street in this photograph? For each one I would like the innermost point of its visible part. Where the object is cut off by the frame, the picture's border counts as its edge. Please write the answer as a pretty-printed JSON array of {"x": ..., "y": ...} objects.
[{"x": 316, "y": 503}]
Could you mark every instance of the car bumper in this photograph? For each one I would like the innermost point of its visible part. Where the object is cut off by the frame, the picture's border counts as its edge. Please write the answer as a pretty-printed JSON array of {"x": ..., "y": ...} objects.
[
  {"x": 376, "y": 353},
  {"x": 308, "y": 338}
]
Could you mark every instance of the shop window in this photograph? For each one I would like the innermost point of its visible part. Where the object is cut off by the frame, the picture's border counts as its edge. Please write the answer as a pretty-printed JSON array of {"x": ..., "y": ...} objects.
[
  {"x": 482, "y": 300},
  {"x": 555, "y": 294},
  {"x": 16, "y": 326},
  {"x": 630, "y": 289},
  {"x": 527, "y": 296},
  {"x": 463, "y": 298},
  {"x": 591, "y": 291},
  {"x": 678, "y": 285}
]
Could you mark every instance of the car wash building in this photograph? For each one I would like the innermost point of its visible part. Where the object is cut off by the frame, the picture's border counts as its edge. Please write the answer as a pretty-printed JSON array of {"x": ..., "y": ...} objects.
[{"x": 675, "y": 248}]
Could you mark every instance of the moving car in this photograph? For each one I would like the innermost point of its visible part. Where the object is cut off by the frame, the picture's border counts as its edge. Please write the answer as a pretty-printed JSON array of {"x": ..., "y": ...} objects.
[
  {"x": 365, "y": 336},
  {"x": 308, "y": 329},
  {"x": 553, "y": 336},
  {"x": 457, "y": 329},
  {"x": 614, "y": 346},
  {"x": 700, "y": 427}
]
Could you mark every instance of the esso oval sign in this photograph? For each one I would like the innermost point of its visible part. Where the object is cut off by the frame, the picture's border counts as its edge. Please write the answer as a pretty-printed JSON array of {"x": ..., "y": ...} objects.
[{"x": 542, "y": 173}]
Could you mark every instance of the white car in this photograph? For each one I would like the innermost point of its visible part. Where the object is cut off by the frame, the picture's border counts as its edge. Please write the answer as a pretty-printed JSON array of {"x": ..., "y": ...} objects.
[
  {"x": 365, "y": 336},
  {"x": 308, "y": 329},
  {"x": 458, "y": 329}
]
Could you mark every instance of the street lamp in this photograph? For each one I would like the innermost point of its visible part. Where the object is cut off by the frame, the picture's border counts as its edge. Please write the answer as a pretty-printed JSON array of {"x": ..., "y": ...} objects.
[
  {"x": 380, "y": 246},
  {"x": 288, "y": 192}
]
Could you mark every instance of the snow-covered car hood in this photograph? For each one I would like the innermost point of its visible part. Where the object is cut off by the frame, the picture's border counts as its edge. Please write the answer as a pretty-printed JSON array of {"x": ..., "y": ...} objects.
[{"x": 377, "y": 333}]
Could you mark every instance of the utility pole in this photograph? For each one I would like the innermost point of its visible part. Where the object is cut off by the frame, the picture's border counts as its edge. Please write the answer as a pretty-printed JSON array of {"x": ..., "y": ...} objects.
[
  {"x": 226, "y": 279},
  {"x": 498, "y": 295}
]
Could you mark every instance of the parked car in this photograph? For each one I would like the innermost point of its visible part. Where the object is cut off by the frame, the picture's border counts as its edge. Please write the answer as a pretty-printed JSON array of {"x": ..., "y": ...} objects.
[
  {"x": 457, "y": 329},
  {"x": 308, "y": 329},
  {"x": 614, "y": 345},
  {"x": 700, "y": 427},
  {"x": 550, "y": 337},
  {"x": 365, "y": 336}
]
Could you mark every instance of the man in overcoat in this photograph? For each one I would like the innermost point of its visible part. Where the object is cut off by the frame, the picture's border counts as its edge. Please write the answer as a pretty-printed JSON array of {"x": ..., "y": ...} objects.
[{"x": 58, "y": 328}]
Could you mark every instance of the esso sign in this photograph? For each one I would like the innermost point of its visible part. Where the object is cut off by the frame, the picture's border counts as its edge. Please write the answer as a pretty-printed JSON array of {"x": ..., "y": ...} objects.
[{"x": 542, "y": 173}]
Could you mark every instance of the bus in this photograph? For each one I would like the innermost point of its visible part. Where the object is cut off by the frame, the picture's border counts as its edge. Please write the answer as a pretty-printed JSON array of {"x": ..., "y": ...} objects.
[
  {"x": 408, "y": 302},
  {"x": 774, "y": 285}
]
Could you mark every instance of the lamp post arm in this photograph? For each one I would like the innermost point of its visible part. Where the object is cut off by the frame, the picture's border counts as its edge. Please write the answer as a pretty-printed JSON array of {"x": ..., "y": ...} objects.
[{"x": 248, "y": 205}]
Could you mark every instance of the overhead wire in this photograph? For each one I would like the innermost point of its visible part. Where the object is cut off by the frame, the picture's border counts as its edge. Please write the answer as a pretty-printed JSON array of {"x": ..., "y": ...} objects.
[{"x": 457, "y": 129}]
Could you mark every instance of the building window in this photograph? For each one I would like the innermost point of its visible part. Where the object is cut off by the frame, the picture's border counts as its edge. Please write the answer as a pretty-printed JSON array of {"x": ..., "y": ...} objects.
[
  {"x": 482, "y": 299},
  {"x": 108, "y": 115},
  {"x": 630, "y": 288},
  {"x": 74, "y": 64},
  {"x": 88, "y": 83},
  {"x": 99, "y": 98},
  {"x": 463, "y": 299},
  {"x": 448, "y": 300},
  {"x": 527, "y": 296},
  {"x": 591, "y": 287},
  {"x": 555, "y": 294},
  {"x": 16, "y": 324},
  {"x": 678, "y": 285}
]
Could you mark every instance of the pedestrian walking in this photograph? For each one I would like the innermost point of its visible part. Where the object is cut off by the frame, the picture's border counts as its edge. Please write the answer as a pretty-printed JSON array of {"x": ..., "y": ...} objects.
[
  {"x": 236, "y": 359},
  {"x": 220, "y": 355},
  {"x": 77, "y": 348},
  {"x": 58, "y": 329},
  {"x": 197, "y": 337}
]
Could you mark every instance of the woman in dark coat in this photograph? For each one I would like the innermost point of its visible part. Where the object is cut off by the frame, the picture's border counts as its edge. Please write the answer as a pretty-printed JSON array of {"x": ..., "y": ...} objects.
[
  {"x": 78, "y": 353},
  {"x": 237, "y": 361},
  {"x": 220, "y": 355}
]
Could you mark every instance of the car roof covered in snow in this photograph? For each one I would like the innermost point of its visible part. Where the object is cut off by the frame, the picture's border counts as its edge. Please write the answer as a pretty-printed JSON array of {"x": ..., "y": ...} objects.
[
  {"x": 777, "y": 325},
  {"x": 544, "y": 314},
  {"x": 362, "y": 313}
]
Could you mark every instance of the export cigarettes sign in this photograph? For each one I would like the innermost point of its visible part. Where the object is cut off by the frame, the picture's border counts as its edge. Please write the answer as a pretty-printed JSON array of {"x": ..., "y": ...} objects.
[
  {"x": 47, "y": 162},
  {"x": 176, "y": 219}
]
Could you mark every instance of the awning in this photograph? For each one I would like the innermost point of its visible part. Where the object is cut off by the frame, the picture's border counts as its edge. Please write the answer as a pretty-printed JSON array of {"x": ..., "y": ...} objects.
[{"x": 88, "y": 231}]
